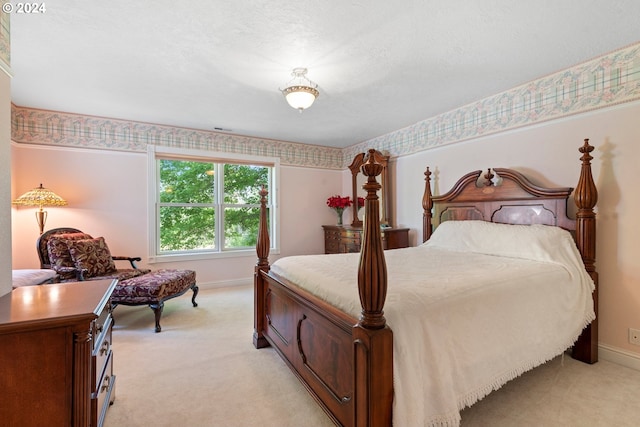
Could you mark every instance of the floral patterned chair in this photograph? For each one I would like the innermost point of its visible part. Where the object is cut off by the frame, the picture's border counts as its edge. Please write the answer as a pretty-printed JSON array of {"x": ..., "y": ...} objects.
[{"x": 77, "y": 256}]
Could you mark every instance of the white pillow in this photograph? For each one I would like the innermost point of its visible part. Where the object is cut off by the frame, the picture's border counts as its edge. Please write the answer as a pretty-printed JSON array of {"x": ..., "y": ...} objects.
[{"x": 536, "y": 242}]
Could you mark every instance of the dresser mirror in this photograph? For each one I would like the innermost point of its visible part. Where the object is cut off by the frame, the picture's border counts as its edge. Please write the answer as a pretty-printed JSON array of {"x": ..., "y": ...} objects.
[{"x": 358, "y": 180}]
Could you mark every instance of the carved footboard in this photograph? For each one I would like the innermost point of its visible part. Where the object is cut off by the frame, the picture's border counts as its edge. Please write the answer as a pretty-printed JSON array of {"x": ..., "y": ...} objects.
[
  {"x": 316, "y": 342},
  {"x": 345, "y": 363}
]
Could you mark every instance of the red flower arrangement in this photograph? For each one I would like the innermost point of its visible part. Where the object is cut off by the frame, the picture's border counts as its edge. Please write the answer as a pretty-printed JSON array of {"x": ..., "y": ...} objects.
[
  {"x": 339, "y": 203},
  {"x": 360, "y": 203}
]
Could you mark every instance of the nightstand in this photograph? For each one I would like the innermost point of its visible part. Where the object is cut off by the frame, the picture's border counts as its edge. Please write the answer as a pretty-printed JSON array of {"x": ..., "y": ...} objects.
[{"x": 346, "y": 238}]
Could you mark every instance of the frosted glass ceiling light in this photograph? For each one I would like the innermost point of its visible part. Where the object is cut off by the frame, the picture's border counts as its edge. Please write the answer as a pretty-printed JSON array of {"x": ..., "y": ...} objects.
[{"x": 300, "y": 91}]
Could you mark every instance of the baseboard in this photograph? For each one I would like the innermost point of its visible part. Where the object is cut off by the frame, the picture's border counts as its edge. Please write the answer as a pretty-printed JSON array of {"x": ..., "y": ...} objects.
[
  {"x": 226, "y": 283},
  {"x": 619, "y": 356}
]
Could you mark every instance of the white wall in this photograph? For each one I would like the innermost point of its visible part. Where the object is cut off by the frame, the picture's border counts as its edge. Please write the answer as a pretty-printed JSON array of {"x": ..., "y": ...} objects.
[
  {"x": 549, "y": 154},
  {"x": 107, "y": 196}
]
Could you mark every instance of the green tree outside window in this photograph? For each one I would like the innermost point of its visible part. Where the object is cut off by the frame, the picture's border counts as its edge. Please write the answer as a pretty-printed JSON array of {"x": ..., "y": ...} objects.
[{"x": 206, "y": 206}]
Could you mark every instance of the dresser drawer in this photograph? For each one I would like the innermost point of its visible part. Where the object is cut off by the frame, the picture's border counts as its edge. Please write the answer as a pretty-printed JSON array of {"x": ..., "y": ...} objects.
[
  {"x": 332, "y": 234},
  {"x": 351, "y": 237},
  {"x": 332, "y": 241},
  {"x": 350, "y": 247},
  {"x": 99, "y": 325},
  {"x": 350, "y": 241},
  {"x": 101, "y": 352},
  {"x": 345, "y": 239},
  {"x": 104, "y": 394},
  {"x": 331, "y": 246}
]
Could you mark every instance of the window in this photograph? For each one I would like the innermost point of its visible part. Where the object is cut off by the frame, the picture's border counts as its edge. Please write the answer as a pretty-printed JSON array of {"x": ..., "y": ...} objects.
[{"x": 208, "y": 205}]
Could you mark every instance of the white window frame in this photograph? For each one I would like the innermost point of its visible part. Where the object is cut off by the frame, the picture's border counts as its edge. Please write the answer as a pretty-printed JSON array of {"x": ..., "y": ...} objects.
[{"x": 154, "y": 152}]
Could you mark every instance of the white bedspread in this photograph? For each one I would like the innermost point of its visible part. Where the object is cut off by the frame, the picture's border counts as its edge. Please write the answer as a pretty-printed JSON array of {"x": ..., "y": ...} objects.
[
  {"x": 28, "y": 277},
  {"x": 464, "y": 323}
]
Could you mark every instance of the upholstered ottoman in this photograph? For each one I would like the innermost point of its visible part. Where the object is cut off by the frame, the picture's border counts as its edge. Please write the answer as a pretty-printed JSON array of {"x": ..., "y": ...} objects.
[{"x": 154, "y": 288}]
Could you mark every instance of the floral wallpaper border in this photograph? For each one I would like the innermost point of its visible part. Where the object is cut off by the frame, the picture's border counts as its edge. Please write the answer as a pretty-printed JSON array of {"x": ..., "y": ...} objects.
[
  {"x": 599, "y": 83},
  {"x": 33, "y": 126},
  {"x": 5, "y": 39},
  {"x": 602, "y": 82}
]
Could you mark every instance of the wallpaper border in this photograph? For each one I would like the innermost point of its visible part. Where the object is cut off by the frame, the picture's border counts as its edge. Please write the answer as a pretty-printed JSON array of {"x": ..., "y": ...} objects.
[
  {"x": 602, "y": 82},
  {"x": 5, "y": 40},
  {"x": 44, "y": 127}
]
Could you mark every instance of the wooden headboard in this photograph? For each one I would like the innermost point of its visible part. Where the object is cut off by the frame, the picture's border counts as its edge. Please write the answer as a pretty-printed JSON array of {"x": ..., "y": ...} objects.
[{"x": 501, "y": 195}]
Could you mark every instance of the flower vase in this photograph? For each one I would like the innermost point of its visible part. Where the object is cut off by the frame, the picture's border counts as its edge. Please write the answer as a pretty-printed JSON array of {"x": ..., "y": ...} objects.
[{"x": 339, "y": 212}]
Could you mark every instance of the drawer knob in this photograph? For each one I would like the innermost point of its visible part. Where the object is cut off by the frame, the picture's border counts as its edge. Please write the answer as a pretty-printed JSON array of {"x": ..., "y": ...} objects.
[
  {"x": 105, "y": 384},
  {"x": 105, "y": 348}
]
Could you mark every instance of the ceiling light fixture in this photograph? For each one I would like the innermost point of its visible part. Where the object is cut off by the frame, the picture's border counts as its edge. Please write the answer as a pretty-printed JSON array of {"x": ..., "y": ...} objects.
[{"x": 300, "y": 91}]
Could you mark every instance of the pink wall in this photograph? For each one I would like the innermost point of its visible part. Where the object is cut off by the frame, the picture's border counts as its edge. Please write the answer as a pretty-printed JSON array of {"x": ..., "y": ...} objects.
[
  {"x": 549, "y": 154},
  {"x": 107, "y": 196}
]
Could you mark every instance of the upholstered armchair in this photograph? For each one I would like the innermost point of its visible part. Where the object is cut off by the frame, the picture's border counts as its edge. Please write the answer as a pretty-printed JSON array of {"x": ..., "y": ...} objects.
[{"x": 76, "y": 256}]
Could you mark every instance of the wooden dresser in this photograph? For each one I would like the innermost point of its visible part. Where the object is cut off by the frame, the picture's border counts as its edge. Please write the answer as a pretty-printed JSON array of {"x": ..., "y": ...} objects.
[
  {"x": 346, "y": 238},
  {"x": 56, "y": 364}
]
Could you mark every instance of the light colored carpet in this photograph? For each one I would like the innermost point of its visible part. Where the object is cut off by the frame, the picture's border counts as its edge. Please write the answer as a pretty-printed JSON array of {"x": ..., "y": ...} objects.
[{"x": 202, "y": 370}]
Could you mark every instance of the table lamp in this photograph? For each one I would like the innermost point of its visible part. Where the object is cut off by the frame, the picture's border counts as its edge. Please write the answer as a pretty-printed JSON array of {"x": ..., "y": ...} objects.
[{"x": 40, "y": 197}]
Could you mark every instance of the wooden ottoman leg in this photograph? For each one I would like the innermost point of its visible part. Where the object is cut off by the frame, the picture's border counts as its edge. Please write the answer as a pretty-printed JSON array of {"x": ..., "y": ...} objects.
[
  {"x": 157, "y": 309},
  {"x": 195, "y": 290}
]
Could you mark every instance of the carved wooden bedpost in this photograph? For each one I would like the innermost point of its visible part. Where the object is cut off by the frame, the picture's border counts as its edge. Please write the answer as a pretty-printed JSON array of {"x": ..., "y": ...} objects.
[
  {"x": 586, "y": 197},
  {"x": 373, "y": 348},
  {"x": 259, "y": 286},
  {"x": 427, "y": 206}
]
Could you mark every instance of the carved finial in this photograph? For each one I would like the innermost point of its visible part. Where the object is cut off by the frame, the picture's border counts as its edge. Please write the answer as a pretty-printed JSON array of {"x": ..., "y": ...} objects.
[
  {"x": 371, "y": 168},
  {"x": 488, "y": 178},
  {"x": 427, "y": 174},
  {"x": 585, "y": 150},
  {"x": 586, "y": 193},
  {"x": 263, "y": 194}
]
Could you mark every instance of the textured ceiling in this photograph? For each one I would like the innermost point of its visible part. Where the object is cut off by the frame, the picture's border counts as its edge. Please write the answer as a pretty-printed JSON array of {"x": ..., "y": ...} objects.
[{"x": 380, "y": 65}]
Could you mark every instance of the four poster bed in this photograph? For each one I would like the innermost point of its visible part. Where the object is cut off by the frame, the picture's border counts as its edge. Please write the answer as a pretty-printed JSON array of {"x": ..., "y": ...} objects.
[{"x": 493, "y": 292}]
